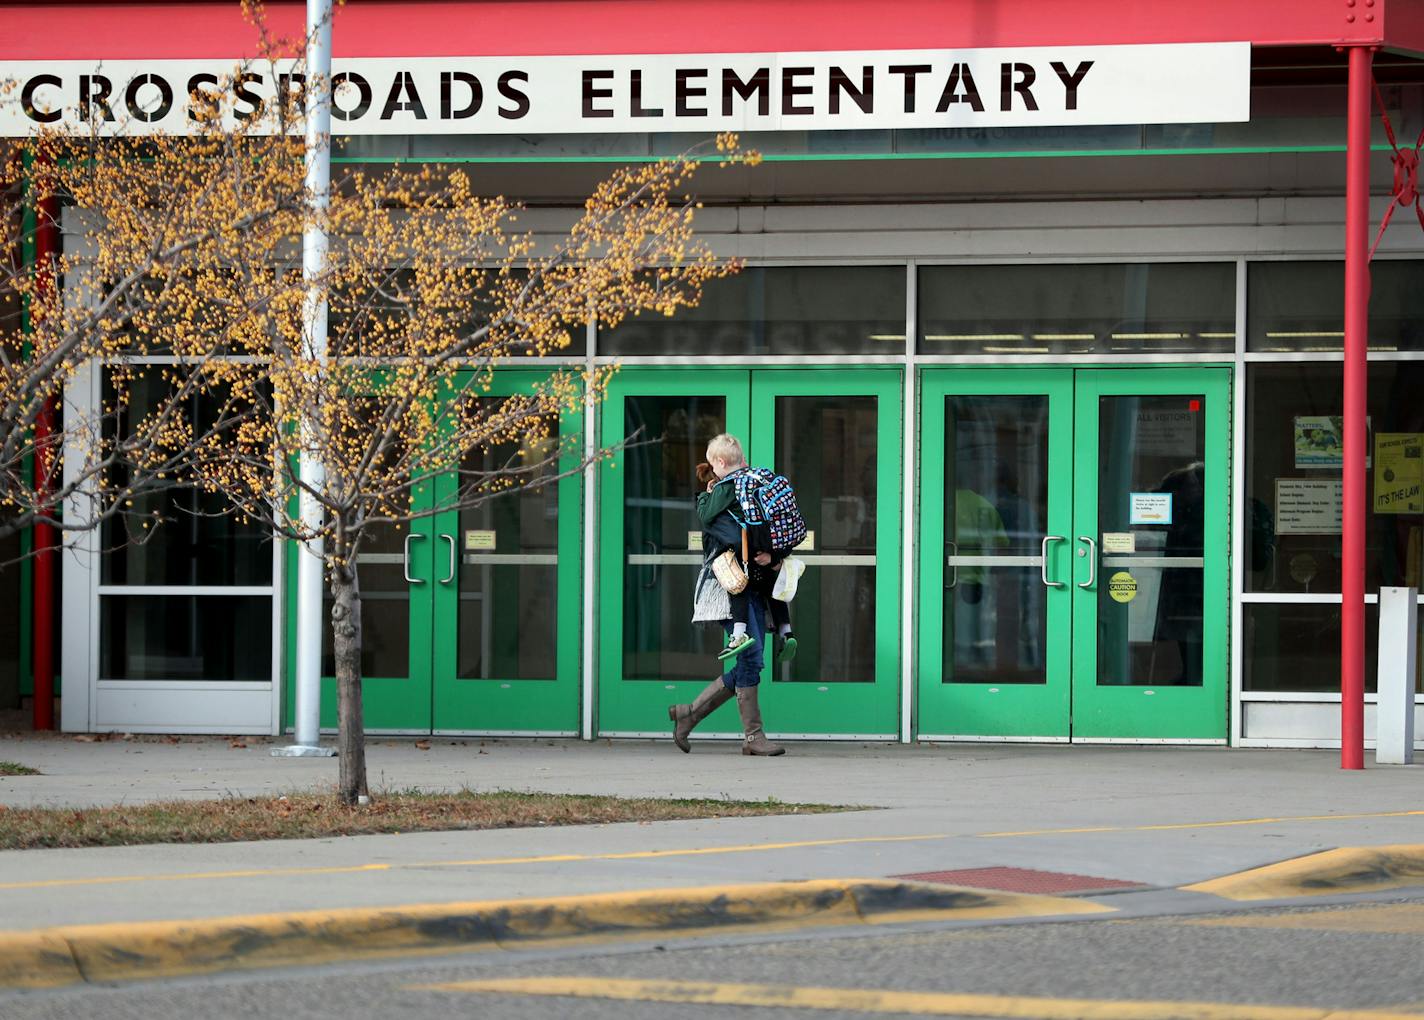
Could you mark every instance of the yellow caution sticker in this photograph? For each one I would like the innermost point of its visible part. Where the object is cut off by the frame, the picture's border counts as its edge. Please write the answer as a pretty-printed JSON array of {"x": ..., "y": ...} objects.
[{"x": 1122, "y": 586}]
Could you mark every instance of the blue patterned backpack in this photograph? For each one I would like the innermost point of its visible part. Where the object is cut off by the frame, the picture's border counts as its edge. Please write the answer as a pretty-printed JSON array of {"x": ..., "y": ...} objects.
[{"x": 768, "y": 498}]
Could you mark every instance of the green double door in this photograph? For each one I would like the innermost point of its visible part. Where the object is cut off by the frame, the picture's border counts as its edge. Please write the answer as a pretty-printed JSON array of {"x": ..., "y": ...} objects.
[
  {"x": 1074, "y": 554},
  {"x": 470, "y": 618},
  {"x": 837, "y": 435}
]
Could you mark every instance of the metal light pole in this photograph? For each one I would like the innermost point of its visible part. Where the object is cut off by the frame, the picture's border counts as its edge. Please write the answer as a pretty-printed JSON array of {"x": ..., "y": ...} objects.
[{"x": 310, "y": 573}]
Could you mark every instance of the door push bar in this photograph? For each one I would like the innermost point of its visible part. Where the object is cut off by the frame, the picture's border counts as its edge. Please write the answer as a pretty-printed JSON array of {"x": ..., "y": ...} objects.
[
  {"x": 1092, "y": 555},
  {"x": 450, "y": 575},
  {"x": 1043, "y": 566},
  {"x": 405, "y": 561}
]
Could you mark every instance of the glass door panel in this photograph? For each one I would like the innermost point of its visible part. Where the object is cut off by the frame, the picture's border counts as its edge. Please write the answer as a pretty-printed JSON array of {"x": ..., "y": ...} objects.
[
  {"x": 651, "y": 654},
  {"x": 996, "y": 494},
  {"x": 507, "y": 590},
  {"x": 1150, "y": 561},
  {"x": 836, "y": 436}
]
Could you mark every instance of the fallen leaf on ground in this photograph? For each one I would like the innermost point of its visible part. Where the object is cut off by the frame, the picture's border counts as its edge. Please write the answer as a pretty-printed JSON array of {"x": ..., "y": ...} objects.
[{"x": 423, "y": 745}]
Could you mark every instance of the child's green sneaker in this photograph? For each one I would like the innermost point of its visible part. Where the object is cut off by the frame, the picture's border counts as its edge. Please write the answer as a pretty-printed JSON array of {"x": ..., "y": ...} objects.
[
  {"x": 785, "y": 648},
  {"x": 735, "y": 645}
]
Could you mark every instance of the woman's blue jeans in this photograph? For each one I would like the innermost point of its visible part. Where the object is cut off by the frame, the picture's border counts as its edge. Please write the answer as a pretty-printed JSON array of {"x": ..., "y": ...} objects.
[{"x": 746, "y": 669}]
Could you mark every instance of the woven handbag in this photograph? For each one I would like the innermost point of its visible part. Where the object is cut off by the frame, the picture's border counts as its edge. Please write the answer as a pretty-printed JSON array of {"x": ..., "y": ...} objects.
[{"x": 729, "y": 571}]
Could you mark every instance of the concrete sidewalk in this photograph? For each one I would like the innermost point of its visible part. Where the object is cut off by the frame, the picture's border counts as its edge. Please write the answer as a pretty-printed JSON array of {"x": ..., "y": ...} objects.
[{"x": 1154, "y": 815}]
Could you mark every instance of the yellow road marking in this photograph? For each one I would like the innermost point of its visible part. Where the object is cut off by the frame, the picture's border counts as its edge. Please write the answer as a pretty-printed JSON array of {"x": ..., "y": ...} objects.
[
  {"x": 485, "y": 862},
  {"x": 912, "y": 1003},
  {"x": 1395, "y": 919}
]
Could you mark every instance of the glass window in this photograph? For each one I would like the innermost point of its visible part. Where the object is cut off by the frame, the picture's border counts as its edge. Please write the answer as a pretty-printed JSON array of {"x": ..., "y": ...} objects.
[
  {"x": 185, "y": 637},
  {"x": 778, "y": 310},
  {"x": 10, "y": 598},
  {"x": 197, "y": 542},
  {"x": 1292, "y": 501},
  {"x": 1145, "y": 308},
  {"x": 1300, "y": 306},
  {"x": 1296, "y": 647}
]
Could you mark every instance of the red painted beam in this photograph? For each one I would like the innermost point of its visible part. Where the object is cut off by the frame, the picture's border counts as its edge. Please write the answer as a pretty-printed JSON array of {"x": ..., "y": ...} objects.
[
  {"x": 375, "y": 28},
  {"x": 1357, "y": 324},
  {"x": 45, "y": 536}
]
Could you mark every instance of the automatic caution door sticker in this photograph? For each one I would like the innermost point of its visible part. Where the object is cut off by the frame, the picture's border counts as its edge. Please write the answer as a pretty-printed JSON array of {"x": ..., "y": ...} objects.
[{"x": 1122, "y": 586}]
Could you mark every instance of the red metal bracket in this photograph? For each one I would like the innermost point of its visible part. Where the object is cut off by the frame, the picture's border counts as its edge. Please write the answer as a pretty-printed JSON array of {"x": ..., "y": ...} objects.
[{"x": 1406, "y": 174}]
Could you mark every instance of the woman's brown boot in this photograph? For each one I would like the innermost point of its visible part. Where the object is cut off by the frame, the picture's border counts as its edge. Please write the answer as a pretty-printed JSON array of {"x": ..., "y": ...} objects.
[
  {"x": 754, "y": 741},
  {"x": 685, "y": 717}
]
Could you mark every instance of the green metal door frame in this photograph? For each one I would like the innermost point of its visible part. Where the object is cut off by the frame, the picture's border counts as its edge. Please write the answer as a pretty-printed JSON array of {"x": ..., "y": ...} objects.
[
  {"x": 1072, "y": 702},
  {"x": 639, "y": 707},
  {"x": 1167, "y": 713},
  {"x": 547, "y": 706},
  {"x": 847, "y": 707},
  {"x": 977, "y": 710}
]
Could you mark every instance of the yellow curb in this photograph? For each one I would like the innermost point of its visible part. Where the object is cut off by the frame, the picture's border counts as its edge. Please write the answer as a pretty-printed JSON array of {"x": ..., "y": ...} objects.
[
  {"x": 52, "y": 957},
  {"x": 1346, "y": 870}
]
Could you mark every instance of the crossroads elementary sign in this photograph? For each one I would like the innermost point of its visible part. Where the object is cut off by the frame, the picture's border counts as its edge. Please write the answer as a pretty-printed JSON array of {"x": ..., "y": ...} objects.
[{"x": 817, "y": 91}]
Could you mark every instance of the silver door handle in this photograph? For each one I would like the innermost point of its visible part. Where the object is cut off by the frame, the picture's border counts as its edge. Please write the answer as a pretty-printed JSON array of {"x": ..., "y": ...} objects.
[
  {"x": 451, "y": 576},
  {"x": 1043, "y": 566},
  {"x": 1092, "y": 562},
  {"x": 405, "y": 561},
  {"x": 954, "y": 565}
]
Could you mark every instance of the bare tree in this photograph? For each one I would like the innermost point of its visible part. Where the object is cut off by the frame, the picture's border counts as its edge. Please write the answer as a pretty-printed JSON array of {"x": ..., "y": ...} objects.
[{"x": 431, "y": 290}]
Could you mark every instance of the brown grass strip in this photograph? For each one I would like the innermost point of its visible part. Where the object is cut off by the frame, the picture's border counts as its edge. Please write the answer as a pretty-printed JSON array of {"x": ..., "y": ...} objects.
[{"x": 318, "y": 815}]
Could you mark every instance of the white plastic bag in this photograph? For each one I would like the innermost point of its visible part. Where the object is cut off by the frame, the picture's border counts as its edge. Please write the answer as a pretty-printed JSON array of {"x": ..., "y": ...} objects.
[{"x": 784, "y": 590}]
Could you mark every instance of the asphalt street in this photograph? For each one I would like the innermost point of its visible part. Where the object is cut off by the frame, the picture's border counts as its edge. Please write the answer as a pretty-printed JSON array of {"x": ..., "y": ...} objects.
[{"x": 1255, "y": 964}]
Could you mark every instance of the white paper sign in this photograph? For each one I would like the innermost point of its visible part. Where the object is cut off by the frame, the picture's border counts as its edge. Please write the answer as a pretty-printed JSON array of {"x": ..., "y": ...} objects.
[
  {"x": 1309, "y": 506},
  {"x": 1177, "y": 83},
  {"x": 1119, "y": 542},
  {"x": 1149, "y": 508}
]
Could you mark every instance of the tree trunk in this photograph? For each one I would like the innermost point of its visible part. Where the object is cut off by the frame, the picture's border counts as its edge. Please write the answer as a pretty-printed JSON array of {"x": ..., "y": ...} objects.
[{"x": 346, "y": 643}]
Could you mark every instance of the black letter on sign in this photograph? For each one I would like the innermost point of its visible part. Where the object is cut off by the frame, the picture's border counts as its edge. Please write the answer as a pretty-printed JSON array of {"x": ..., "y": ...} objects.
[
  {"x": 403, "y": 97},
  {"x": 514, "y": 95},
  {"x": 246, "y": 95},
  {"x": 863, "y": 97},
  {"x": 165, "y": 98},
  {"x": 1007, "y": 85},
  {"x": 590, "y": 93},
  {"x": 790, "y": 90},
  {"x": 363, "y": 90},
  {"x": 759, "y": 84},
  {"x": 957, "y": 74},
  {"x": 635, "y": 90},
  {"x": 447, "y": 95},
  {"x": 293, "y": 100},
  {"x": 686, "y": 92},
  {"x": 95, "y": 89},
  {"x": 27, "y": 98},
  {"x": 1071, "y": 81},
  {"x": 203, "y": 105},
  {"x": 910, "y": 73}
]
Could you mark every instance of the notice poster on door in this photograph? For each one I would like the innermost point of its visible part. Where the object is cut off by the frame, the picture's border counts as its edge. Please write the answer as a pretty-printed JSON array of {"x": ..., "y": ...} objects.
[
  {"x": 1163, "y": 432},
  {"x": 1309, "y": 506},
  {"x": 1149, "y": 508},
  {"x": 1399, "y": 473}
]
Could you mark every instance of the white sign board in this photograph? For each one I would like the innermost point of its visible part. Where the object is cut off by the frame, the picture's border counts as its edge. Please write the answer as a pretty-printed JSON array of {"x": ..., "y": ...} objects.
[
  {"x": 1149, "y": 508},
  {"x": 1309, "y": 506},
  {"x": 702, "y": 92}
]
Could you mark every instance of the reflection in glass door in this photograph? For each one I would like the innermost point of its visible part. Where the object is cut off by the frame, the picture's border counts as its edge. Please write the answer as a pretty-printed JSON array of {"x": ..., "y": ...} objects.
[
  {"x": 506, "y": 589},
  {"x": 995, "y": 505},
  {"x": 1151, "y": 533},
  {"x": 836, "y": 436},
  {"x": 1074, "y": 554},
  {"x": 651, "y": 655}
]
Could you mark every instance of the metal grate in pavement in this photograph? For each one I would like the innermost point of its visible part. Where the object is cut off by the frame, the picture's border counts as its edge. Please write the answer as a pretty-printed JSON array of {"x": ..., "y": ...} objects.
[{"x": 1023, "y": 880}]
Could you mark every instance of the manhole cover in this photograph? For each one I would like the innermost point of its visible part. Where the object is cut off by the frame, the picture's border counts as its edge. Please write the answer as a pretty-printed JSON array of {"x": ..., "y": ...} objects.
[{"x": 1024, "y": 880}]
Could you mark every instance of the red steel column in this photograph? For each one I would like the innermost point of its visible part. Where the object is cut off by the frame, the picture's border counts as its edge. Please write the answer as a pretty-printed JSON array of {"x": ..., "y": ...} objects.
[
  {"x": 45, "y": 536},
  {"x": 1357, "y": 309}
]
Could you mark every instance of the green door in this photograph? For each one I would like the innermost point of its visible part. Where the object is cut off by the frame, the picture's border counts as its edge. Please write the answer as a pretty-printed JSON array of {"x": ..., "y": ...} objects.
[
  {"x": 1150, "y": 569},
  {"x": 836, "y": 435},
  {"x": 1074, "y": 536},
  {"x": 506, "y": 607},
  {"x": 470, "y": 619}
]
